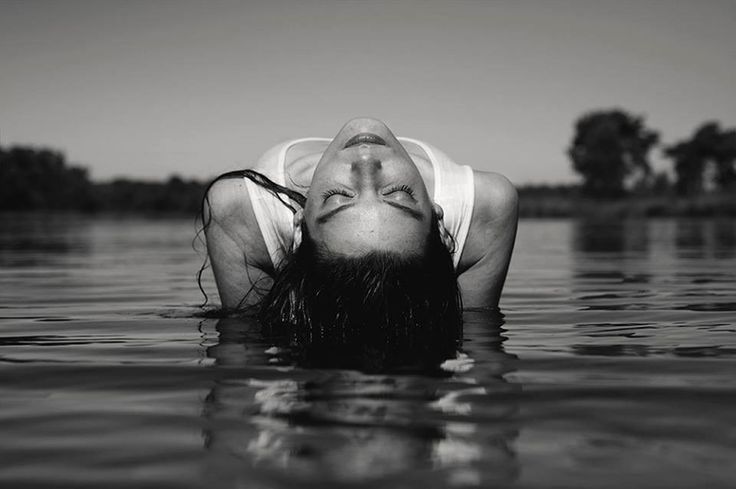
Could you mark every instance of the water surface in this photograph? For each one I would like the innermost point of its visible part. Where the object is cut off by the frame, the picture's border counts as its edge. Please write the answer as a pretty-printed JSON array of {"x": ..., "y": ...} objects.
[{"x": 613, "y": 366}]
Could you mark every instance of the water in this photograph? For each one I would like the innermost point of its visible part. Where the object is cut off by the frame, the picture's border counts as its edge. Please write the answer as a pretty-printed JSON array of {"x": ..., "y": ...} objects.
[{"x": 615, "y": 366}]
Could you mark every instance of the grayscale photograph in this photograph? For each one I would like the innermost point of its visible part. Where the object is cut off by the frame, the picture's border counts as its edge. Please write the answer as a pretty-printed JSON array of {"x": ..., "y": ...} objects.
[{"x": 368, "y": 244}]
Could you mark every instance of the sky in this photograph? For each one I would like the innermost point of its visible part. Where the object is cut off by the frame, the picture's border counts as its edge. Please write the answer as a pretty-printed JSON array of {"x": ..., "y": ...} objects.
[{"x": 147, "y": 89}]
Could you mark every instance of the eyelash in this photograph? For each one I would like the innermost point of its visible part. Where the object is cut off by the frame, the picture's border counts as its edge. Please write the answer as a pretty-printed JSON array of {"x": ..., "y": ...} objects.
[
  {"x": 397, "y": 188},
  {"x": 404, "y": 188},
  {"x": 334, "y": 191}
]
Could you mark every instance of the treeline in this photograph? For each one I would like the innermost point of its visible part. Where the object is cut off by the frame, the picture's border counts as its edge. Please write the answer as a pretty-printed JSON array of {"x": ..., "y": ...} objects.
[
  {"x": 572, "y": 201},
  {"x": 611, "y": 151},
  {"x": 41, "y": 179}
]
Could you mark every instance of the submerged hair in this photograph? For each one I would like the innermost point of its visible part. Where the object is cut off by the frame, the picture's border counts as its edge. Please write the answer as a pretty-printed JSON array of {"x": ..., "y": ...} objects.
[{"x": 376, "y": 302}]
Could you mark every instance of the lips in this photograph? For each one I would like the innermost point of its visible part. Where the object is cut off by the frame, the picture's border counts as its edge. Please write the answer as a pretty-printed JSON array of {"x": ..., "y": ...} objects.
[{"x": 365, "y": 138}]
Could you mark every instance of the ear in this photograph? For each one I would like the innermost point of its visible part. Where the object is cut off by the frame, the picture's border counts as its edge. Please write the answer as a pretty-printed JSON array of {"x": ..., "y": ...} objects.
[
  {"x": 444, "y": 233},
  {"x": 296, "y": 238}
]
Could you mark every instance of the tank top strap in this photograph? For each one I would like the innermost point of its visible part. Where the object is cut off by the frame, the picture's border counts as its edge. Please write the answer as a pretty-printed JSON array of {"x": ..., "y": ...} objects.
[
  {"x": 454, "y": 191},
  {"x": 274, "y": 219}
]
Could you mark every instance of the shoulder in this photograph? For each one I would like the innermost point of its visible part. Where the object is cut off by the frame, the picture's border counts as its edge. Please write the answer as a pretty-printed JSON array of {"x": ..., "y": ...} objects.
[
  {"x": 495, "y": 214},
  {"x": 226, "y": 200},
  {"x": 229, "y": 211},
  {"x": 496, "y": 198},
  {"x": 487, "y": 253}
]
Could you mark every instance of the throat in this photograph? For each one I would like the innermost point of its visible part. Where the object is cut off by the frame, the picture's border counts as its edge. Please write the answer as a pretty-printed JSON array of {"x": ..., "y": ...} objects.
[{"x": 300, "y": 161}]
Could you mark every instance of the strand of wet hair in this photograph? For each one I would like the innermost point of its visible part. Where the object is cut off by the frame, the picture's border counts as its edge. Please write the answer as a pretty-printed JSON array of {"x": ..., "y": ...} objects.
[{"x": 278, "y": 191}]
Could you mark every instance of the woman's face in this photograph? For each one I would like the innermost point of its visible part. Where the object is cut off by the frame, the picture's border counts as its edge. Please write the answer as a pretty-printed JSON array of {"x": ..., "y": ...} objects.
[{"x": 367, "y": 194}]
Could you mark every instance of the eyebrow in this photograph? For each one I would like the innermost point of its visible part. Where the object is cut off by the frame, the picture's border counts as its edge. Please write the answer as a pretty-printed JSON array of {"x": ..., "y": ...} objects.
[{"x": 413, "y": 213}]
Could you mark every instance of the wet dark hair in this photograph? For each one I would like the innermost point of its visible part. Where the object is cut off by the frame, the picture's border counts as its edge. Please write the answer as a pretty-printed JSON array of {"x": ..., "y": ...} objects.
[{"x": 380, "y": 301}]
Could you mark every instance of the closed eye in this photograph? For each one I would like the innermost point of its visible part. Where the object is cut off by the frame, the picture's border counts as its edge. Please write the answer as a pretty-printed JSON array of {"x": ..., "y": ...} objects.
[
  {"x": 334, "y": 191},
  {"x": 399, "y": 191},
  {"x": 338, "y": 200}
]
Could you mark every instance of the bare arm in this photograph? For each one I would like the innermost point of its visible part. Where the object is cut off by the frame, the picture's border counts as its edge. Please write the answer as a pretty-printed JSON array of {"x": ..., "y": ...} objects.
[
  {"x": 238, "y": 255},
  {"x": 490, "y": 241}
]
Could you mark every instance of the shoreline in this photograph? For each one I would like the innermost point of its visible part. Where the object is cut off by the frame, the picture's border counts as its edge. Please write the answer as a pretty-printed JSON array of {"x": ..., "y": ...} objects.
[{"x": 552, "y": 205}]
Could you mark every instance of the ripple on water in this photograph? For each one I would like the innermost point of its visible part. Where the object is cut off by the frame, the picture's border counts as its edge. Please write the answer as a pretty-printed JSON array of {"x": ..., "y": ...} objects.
[{"x": 613, "y": 366}]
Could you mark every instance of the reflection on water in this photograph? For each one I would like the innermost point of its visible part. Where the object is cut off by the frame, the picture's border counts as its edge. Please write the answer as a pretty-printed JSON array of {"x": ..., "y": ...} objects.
[
  {"x": 595, "y": 236},
  {"x": 613, "y": 367},
  {"x": 724, "y": 238},
  {"x": 700, "y": 239},
  {"x": 344, "y": 425},
  {"x": 33, "y": 240},
  {"x": 642, "y": 283}
]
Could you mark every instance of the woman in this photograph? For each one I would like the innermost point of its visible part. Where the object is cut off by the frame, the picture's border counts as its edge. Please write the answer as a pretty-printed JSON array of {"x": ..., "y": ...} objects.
[{"x": 361, "y": 229}]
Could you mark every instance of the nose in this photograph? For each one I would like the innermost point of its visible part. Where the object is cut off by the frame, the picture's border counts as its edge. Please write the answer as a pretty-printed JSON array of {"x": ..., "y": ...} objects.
[
  {"x": 366, "y": 171},
  {"x": 366, "y": 164}
]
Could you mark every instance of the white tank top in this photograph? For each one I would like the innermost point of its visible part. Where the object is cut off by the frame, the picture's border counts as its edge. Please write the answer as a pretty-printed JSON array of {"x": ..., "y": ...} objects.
[{"x": 454, "y": 191}]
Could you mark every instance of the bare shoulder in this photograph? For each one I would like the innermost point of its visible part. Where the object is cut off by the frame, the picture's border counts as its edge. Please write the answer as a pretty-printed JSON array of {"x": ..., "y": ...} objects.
[
  {"x": 496, "y": 198},
  {"x": 494, "y": 217},
  {"x": 227, "y": 199},
  {"x": 487, "y": 253},
  {"x": 230, "y": 212},
  {"x": 495, "y": 212}
]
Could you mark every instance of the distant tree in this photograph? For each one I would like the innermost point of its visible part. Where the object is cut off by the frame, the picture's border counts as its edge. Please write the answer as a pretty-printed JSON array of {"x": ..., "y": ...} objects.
[
  {"x": 724, "y": 155},
  {"x": 689, "y": 160},
  {"x": 609, "y": 146},
  {"x": 660, "y": 183},
  {"x": 39, "y": 178},
  {"x": 175, "y": 195},
  {"x": 35, "y": 178},
  {"x": 708, "y": 144}
]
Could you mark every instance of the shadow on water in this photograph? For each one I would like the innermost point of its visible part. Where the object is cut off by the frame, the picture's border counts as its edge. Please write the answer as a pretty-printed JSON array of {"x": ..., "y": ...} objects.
[{"x": 271, "y": 422}]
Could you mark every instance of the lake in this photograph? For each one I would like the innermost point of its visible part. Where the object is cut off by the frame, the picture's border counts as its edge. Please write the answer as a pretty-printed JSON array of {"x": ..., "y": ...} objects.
[{"x": 613, "y": 365}]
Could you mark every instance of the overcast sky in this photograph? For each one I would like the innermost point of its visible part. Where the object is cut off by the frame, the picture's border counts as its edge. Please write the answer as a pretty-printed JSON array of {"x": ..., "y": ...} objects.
[{"x": 151, "y": 88}]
